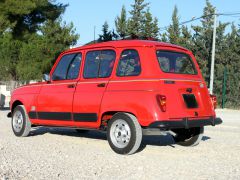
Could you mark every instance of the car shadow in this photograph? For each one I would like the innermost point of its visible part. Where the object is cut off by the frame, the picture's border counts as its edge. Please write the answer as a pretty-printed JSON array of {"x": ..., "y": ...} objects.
[
  {"x": 205, "y": 138},
  {"x": 152, "y": 140},
  {"x": 161, "y": 140},
  {"x": 93, "y": 134}
]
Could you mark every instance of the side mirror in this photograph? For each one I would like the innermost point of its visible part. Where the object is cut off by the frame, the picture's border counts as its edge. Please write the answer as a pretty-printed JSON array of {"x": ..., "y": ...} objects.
[{"x": 46, "y": 77}]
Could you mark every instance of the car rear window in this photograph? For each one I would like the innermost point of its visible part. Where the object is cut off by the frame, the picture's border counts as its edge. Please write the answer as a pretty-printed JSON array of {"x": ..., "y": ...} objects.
[{"x": 175, "y": 62}]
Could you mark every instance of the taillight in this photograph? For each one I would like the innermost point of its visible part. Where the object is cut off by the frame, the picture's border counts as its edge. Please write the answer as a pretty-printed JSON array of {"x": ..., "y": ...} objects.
[
  {"x": 162, "y": 102},
  {"x": 214, "y": 100}
]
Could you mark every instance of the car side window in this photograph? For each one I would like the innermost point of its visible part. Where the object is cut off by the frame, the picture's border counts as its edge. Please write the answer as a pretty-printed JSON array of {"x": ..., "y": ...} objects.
[
  {"x": 68, "y": 67},
  {"x": 74, "y": 67},
  {"x": 107, "y": 62},
  {"x": 99, "y": 64},
  {"x": 91, "y": 64},
  {"x": 129, "y": 63}
]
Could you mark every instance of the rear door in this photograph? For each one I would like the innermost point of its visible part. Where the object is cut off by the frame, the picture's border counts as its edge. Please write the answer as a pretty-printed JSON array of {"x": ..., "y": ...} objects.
[
  {"x": 182, "y": 83},
  {"x": 97, "y": 70}
]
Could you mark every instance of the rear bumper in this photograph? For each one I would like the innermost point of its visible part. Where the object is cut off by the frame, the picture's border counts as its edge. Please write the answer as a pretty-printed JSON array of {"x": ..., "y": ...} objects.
[{"x": 185, "y": 123}]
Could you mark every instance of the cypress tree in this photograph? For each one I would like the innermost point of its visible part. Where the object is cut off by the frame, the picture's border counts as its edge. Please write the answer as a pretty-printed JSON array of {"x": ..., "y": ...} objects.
[
  {"x": 135, "y": 23},
  {"x": 186, "y": 38},
  {"x": 174, "y": 29},
  {"x": 121, "y": 24},
  {"x": 150, "y": 26},
  {"x": 202, "y": 39}
]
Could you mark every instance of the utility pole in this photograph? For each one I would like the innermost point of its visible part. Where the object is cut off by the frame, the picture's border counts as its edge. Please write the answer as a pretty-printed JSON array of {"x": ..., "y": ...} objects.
[{"x": 213, "y": 53}]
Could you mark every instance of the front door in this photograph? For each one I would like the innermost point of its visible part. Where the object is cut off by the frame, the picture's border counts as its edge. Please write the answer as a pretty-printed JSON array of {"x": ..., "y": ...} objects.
[
  {"x": 90, "y": 88},
  {"x": 54, "y": 102}
]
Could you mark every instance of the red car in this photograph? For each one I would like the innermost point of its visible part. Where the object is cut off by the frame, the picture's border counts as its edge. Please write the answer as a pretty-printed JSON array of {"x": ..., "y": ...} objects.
[{"x": 128, "y": 88}]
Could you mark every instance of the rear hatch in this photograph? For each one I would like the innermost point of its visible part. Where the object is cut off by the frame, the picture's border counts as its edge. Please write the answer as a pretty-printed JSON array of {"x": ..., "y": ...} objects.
[
  {"x": 186, "y": 99},
  {"x": 183, "y": 86}
]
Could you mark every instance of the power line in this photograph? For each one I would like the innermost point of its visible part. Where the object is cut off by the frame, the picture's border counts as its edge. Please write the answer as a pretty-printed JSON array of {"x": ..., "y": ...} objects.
[
  {"x": 228, "y": 14},
  {"x": 231, "y": 12},
  {"x": 185, "y": 22},
  {"x": 213, "y": 42},
  {"x": 195, "y": 19}
]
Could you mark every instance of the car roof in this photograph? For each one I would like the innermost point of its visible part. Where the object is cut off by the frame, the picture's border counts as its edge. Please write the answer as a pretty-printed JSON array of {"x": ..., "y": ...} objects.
[{"x": 127, "y": 43}]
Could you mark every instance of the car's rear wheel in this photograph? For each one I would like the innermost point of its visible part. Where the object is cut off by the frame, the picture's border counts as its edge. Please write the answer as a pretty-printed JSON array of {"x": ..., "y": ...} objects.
[
  {"x": 124, "y": 133},
  {"x": 188, "y": 137},
  {"x": 21, "y": 124}
]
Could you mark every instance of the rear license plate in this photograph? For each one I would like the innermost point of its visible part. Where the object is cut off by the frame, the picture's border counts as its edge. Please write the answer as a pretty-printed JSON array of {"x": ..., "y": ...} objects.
[{"x": 190, "y": 100}]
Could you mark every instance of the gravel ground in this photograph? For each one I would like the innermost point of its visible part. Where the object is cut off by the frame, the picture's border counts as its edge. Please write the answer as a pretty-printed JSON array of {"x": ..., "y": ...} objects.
[{"x": 65, "y": 154}]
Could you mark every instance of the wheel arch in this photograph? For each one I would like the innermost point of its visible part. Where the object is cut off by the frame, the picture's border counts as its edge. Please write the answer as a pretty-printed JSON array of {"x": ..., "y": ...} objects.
[
  {"x": 15, "y": 104},
  {"x": 107, "y": 115}
]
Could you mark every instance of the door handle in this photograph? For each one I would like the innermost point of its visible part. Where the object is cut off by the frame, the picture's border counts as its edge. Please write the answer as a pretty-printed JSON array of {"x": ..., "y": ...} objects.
[
  {"x": 71, "y": 86},
  {"x": 101, "y": 85}
]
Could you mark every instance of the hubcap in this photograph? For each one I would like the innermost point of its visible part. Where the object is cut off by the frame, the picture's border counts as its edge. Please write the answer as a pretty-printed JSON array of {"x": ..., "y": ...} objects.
[
  {"x": 120, "y": 133},
  {"x": 17, "y": 121}
]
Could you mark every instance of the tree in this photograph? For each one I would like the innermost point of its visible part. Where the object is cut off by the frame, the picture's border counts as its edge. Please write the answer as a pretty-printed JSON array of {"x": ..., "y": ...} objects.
[
  {"x": 22, "y": 18},
  {"x": 114, "y": 35},
  {"x": 121, "y": 24},
  {"x": 31, "y": 36},
  {"x": 177, "y": 35},
  {"x": 9, "y": 57},
  {"x": 164, "y": 37},
  {"x": 220, "y": 59},
  {"x": 232, "y": 64},
  {"x": 202, "y": 39},
  {"x": 186, "y": 38},
  {"x": 150, "y": 26},
  {"x": 135, "y": 22},
  {"x": 174, "y": 30},
  {"x": 39, "y": 54},
  {"x": 106, "y": 34}
]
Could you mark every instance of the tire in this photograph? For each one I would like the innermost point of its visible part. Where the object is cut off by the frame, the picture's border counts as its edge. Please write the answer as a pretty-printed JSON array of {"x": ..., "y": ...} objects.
[
  {"x": 21, "y": 124},
  {"x": 188, "y": 137},
  {"x": 124, "y": 133},
  {"x": 82, "y": 131}
]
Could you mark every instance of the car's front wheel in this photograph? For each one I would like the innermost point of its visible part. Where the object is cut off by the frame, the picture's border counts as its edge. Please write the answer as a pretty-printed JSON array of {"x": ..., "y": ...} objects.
[
  {"x": 188, "y": 137},
  {"x": 21, "y": 124},
  {"x": 124, "y": 133}
]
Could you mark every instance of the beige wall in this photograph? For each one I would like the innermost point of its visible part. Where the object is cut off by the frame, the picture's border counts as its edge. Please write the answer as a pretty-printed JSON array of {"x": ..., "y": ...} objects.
[{"x": 7, "y": 94}]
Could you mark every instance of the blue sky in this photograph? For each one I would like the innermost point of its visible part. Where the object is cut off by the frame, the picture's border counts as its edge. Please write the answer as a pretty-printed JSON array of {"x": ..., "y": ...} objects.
[{"x": 85, "y": 14}]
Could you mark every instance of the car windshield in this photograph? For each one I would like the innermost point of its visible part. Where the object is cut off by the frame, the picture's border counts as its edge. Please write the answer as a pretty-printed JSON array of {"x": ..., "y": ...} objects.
[{"x": 175, "y": 62}]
